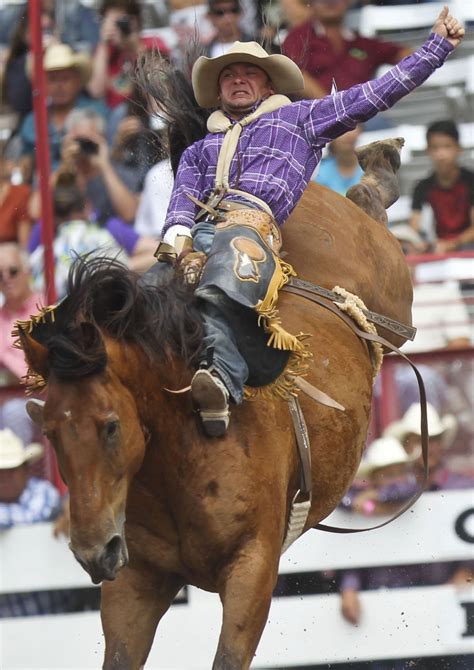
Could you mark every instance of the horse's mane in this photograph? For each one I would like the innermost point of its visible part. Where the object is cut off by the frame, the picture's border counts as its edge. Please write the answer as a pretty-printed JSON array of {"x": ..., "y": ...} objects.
[
  {"x": 171, "y": 89},
  {"x": 106, "y": 297}
]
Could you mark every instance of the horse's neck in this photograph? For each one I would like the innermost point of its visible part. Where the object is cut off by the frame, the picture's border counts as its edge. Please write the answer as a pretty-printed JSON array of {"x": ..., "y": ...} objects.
[{"x": 151, "y": 385}]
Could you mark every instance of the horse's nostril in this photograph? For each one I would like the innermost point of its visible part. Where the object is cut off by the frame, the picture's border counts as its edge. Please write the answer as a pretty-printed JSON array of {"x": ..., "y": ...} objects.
[{"x": 112, "y": 550}]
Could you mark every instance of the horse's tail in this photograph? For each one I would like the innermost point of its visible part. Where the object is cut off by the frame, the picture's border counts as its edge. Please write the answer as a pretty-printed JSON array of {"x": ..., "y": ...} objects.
[{"x": 171, "y": 89}]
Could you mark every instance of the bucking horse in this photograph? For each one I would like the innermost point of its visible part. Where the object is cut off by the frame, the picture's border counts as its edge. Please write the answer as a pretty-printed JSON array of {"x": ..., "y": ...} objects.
[{"x": 154, "y": 503}]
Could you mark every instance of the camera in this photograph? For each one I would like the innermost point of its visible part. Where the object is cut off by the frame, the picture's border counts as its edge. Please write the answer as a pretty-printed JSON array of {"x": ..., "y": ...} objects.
[
  {"x": 124, "y": 25},
  {"x": 87, "y": 147}
]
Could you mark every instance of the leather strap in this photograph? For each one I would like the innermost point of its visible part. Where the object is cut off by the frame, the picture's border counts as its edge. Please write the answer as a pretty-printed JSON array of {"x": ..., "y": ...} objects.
[
  {"x": 304, "y": 447},
  {"x": 324, "y": 302},
  {"x": 408, "y": 332}
]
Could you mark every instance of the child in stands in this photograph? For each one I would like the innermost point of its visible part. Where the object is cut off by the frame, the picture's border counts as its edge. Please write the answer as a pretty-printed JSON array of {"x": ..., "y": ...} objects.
[{"x": 449, "y": 191}]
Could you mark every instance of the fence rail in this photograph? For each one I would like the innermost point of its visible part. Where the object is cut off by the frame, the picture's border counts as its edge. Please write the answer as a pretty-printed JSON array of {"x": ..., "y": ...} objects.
[{"x": 301, "y": 631}]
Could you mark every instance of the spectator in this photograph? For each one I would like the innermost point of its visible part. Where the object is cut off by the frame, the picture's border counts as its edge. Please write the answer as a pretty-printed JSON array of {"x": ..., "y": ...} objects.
[
  {"x": 16, "y": 86},
  {"x": 225, "y": 17},
  {"x": 116, "y": 54},
  {"x": 449, "y": 191},
  {"x": 74, "y": 236},
  {"x": 385, "y": 499},
  {"x": 80, "y": 26},
  {"x": 439, "y": 312},
  {"x": 15, "y": 223},
  {"x": 23, "y": 499},
  {"x": 296, "y": 12},
  {"x": 134, "y": 132},
  {"x": 17, "y": 83},
  {"x": 19, "y": 303},
  {"x": 383, "y": 477},
  {"x": 10, "y": 14},
  {"x": 110, "y": 186},
  {"x": 154, "y": 200},
  {"x": 326, "y": 50},
  {"x": 340, "y": 169},
  {"x": 66, "y": 75},
  {"x": 442, "y": 431}
]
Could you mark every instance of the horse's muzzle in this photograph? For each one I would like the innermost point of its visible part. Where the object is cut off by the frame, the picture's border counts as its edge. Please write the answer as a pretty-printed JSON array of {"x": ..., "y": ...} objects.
[{"x": 104, "y": 562}]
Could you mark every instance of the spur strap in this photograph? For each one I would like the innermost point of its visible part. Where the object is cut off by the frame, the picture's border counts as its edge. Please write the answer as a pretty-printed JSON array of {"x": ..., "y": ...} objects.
[{"x": 324, "y": 302}]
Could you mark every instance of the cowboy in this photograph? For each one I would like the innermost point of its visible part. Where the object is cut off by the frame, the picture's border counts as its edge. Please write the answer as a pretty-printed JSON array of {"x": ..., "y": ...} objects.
[{"x": 257, "y": 159}]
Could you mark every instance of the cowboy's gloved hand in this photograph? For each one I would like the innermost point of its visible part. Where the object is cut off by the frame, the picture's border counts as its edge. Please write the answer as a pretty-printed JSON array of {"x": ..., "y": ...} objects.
[
  {"x": 203, "y": 236},
  {"x": 191, "y": 264}
]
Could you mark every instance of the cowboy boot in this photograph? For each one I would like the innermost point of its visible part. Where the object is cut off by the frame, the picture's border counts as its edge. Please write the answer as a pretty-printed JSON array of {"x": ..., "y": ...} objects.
[{"x": 211, "y": 396}]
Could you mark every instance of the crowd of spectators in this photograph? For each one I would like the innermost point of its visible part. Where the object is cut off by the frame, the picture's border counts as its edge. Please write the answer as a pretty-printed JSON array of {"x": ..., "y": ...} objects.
[{"x": 111, "y": 181}]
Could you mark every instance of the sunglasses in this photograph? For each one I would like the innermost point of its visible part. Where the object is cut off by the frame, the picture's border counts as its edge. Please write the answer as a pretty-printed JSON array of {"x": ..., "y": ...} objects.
[
  {"x": 9, "y": 273},
  {"x": 223, "y": 12}
]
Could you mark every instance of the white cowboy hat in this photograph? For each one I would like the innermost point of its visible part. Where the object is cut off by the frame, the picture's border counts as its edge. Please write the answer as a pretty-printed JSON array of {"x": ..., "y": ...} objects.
[
  {"x": 62, "y": 57},
  {"x": 381, "y": 453},
  {"x": 285, "y": 74},
  {"x": 444, "y": 427},
  {"x": 406, "y": 233},
  {"x": 13, "y": 453}
]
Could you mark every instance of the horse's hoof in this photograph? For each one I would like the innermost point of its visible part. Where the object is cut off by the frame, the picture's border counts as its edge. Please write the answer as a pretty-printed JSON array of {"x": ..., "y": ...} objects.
[
  {"x": 380, "y": 153},
  {"x": 212, "y": 398}
]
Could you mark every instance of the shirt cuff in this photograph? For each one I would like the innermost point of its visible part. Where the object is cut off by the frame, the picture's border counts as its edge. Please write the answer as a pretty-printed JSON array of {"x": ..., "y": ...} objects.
[
  {"x": 177, "y": 229},
  {"x": 438, "y": 46}
]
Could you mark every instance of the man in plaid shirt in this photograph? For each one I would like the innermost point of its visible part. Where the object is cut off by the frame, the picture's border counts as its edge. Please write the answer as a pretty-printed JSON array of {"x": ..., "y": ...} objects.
[{"x": 261, "y": 152}]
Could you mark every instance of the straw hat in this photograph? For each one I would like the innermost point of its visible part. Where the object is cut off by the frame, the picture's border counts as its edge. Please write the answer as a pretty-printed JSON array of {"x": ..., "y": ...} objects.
[
  {"x": 285, "y": 74},
  {"x": 13, "y": 453},
  {"x": 444, "y": 427},
  {"x": 381, "y": 453},
  {"x": 62, "y": 57}
]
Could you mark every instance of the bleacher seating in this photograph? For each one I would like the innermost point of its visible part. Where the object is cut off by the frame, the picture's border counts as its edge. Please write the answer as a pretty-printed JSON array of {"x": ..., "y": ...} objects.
[{"x": 375, "y": 20}]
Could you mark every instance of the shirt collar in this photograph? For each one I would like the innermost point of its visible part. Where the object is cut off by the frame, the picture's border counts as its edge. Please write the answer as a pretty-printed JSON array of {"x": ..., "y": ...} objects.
[{"x": 346, "y": 32}]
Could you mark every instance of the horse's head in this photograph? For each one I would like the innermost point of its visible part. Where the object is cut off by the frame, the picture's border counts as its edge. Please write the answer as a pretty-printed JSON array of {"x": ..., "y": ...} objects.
[
  {"x": 93, "y": 424},
  {"x": 101, "y": 352}
]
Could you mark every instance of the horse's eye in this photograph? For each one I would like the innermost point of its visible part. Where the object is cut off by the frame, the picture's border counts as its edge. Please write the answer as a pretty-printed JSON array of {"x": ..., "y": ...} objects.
[{"x": 111, "y": 429}]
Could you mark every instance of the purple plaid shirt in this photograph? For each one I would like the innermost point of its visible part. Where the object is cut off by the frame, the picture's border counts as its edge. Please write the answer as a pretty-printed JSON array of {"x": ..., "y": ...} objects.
[{"x": 278, "y": 153}]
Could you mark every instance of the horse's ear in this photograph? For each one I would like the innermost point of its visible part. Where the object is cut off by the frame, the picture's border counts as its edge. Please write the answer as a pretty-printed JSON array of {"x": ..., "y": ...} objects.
[
  {"x": 35, "y": 410},
  {"x": 35, "y": 353},
  {"x": 91, "y": 336}
]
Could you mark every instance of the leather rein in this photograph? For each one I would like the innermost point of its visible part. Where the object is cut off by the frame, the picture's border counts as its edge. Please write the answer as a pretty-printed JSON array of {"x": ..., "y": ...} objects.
[{"x": 325, "y": 298}]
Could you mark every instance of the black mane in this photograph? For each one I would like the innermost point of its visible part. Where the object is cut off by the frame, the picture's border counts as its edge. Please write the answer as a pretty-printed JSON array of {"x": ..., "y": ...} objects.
[
  {"x": 103, "y": 295},
  {"x": 171, "y": 89}
]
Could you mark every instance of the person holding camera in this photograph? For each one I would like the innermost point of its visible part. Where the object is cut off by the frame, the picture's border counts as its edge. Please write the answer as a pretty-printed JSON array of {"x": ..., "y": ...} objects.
[
  {"x": 109, "y": 186},
  {"x": 119, "y": 45}
]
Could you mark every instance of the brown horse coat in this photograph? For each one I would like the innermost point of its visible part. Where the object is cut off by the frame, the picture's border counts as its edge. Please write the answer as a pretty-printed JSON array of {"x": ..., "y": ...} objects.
[{"x": 213, "y": 512}]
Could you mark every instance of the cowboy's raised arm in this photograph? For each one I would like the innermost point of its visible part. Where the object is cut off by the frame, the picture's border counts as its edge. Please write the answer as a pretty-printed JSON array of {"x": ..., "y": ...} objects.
[
  {"x": 324, "y": 120},
  {"x": 181, "y": 210}
]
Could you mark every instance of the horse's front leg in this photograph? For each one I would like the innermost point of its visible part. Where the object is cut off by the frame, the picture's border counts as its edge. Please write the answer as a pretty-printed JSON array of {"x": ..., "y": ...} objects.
[
  {"x": 131, "y": 608},
  {"x": 246, "y": 595}
]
